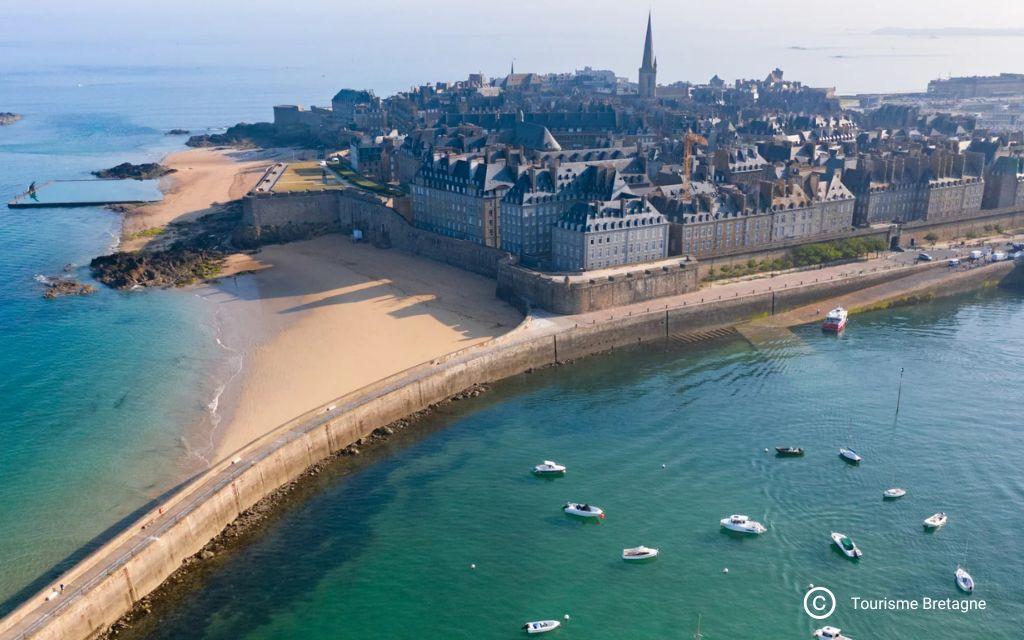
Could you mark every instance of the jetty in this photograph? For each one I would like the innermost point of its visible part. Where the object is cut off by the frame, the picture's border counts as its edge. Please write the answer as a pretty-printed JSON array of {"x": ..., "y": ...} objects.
[{"x": 88, "y": 193}]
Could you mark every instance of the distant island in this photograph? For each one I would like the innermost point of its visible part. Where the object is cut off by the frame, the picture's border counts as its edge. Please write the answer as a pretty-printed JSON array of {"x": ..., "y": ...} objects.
[
  {"x": 178, "y": 132},
  {"x": 6, "y": 118},
  {"x": 127, "y": 170},
  {"x": 949, "y": 31}
]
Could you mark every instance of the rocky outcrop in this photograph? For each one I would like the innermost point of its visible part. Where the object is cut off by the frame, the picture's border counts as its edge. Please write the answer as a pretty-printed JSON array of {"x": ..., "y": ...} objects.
[
  {"x": 178, "y": 132},
  {"x": 246, "y": 135},
  {"x": 127, "y": 170},
  {"x": 66, "y": 287},
  {"x": 174, "y": 267},
  {"x": 6, "y": 118}
]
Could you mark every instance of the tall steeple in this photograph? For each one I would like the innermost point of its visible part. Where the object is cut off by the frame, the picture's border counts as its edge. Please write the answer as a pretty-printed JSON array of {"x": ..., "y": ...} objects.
[{"x": 649, "y": 66}]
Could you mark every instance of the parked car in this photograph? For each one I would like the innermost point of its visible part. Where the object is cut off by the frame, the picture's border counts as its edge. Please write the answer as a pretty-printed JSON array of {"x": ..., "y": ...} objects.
[
  {"x": 976, "y": 255},
  {"x": 953, "y": 262},
  {"x": 924, "y": 257},
  {"x": 998, "y": 256}
]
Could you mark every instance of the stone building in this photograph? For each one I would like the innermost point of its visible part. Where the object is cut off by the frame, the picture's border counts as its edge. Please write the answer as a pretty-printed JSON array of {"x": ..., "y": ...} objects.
[
  {"x": 359, "y": 109},
  {"x": 904, "y": 187},
  {"x": 1004, "y": 183},
  {"x": 460, "y": 197},
  {"x": 597, "y": 235},
  {"x": 541, "y": 196},
  {"x": 739, "y": 165}
]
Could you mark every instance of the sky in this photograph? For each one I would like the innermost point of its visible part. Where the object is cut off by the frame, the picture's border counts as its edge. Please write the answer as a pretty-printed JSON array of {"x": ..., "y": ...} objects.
[{"x": 389, "y": 45}]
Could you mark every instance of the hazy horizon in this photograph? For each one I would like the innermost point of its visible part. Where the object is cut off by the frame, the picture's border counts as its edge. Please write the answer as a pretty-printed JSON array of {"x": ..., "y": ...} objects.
[{"x": 389, "y": 45}]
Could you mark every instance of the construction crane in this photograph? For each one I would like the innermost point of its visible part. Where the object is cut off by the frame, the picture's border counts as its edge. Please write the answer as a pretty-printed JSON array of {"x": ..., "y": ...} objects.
[{"x": 689, "y": 140}]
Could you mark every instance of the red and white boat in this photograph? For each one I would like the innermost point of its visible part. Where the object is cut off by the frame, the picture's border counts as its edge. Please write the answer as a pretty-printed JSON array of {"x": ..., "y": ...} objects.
[{"x": 835, "y": 320}]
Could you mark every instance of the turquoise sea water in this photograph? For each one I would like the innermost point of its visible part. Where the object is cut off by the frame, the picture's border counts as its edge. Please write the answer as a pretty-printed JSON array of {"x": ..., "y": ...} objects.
[
  {"x": 103, "y": 399},
  {"x": 384, "y": 550}
]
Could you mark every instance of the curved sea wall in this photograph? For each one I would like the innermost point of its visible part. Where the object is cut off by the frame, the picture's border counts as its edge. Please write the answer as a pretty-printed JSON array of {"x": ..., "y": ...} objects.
[{"x": 110, "y": 581}]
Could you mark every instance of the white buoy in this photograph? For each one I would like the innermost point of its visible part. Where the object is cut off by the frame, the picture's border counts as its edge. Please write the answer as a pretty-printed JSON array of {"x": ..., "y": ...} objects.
[
  {"x": 766, "y": 449},
  {"x": 725, "y": 570},
  {"x": 472, "y": 566},
  {"x": 567, "y": 616},
  {"x": 662, "y": 466}
]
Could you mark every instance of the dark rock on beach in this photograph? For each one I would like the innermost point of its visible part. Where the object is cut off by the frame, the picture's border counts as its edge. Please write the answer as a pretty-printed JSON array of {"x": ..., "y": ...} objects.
[
  {"x": 6, "y": 118},
  {"x": 174, "y": 267},
  {"x": 126, "y": 170}
]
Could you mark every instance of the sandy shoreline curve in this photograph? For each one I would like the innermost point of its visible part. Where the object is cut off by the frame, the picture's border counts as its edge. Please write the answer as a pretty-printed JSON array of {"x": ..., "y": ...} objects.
[{"x": 310, "y": 321}]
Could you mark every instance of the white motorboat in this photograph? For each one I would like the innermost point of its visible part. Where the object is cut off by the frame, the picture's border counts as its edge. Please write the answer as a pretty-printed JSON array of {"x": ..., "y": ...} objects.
[
  {"x": 830, "y": 633},
  {"x": 846, "y": 545},
  {"x": 541, "y": 626},
  {"x": 964, "y": 580},
  {"x": 848, "y": 454},
  {"x": 893, "y": 493},
  {"x": 936, "y": 521},
  {"x": 549, "y": 468},
  {"x": 583, "y": 510},
  {"x": 742, "y": 524},
  {"x": 639, "y": 553}
]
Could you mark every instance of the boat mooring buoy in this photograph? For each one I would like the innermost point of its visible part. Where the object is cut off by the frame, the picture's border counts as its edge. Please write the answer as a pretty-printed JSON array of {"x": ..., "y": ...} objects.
[
  {"x": 725, "y": 570},
  {"x": 567, "y": 617},
  {"x": 472, "y": 566}
]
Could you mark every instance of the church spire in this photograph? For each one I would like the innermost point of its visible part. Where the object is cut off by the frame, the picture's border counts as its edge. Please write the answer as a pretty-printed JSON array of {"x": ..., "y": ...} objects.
[
  {"x": 649, "y": 62},
  {"x": 649, "y": 66}
]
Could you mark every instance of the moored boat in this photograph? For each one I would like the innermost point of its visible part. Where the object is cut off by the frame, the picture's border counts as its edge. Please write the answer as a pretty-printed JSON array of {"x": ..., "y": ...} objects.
[
  {"x": 583, "y": 510},
  {"x": 789, "y": 452},
  {"x": 846, "y": 545},
  {"x": 639, "y": 553},
  {"x": 848, "y": 454},
  {"x": 936, "y": 521},
  {"x": 835, "y": 321},
  {"x": 549, "y": 468},
  {"x": 893, "y": 493},
  {"x": 541, "y": 626},
  {"x": 830, "y": 633},
  {"x": 742, "y": 524},
  {"x": 964, "y": 580}
]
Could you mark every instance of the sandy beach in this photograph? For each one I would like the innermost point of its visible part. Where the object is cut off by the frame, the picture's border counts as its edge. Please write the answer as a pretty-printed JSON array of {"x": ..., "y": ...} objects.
[
  {"x": 326, "y": 317},
  {"x": 203, "y": 179}
]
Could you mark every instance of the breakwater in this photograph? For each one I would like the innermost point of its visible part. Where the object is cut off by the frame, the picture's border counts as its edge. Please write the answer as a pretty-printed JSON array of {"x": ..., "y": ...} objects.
[{"x": 110, "y": 581}]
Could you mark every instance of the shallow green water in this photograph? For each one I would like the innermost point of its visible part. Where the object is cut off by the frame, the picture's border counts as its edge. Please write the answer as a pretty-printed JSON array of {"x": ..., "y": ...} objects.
[{"x": 385, "y": 551}]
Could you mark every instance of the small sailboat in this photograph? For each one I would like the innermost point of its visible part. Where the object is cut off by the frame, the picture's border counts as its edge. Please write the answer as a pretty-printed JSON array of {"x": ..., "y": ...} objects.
[
  {"x": 849, "y": 455},
  {"x": 583, "y": 510},
  {"x": 964, "y": 580},
  {"x": 789, "y": 452},
  {"x": 894, "y": 492},
  {"x": 835, "y": 321},
  {"x": 846, "y": 545},
  {"x": 639, "y": 553},
  {"x": 541, "y": 626},
  {"x": 549, "y": 468},
  {"x": 742, "y": 524},
  {"x": 830, "y": 633},
  {"x": 698, "y": 635},
  {"x": 936, "y": 521}
]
